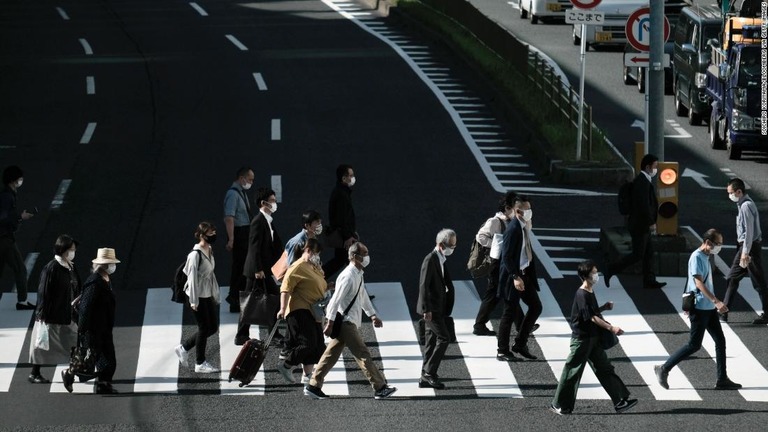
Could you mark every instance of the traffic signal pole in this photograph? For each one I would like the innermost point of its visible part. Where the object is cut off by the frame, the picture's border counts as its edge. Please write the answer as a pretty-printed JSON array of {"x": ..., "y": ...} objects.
[{"x": 654, "y": 123}]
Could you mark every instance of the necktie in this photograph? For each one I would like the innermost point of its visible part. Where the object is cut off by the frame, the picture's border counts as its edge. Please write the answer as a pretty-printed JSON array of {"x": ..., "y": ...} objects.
[{"x": 528, "y": 250}]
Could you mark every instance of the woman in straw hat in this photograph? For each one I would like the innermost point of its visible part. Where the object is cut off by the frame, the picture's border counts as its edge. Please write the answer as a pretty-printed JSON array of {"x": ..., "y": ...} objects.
[{"x": 96, "y": 321}]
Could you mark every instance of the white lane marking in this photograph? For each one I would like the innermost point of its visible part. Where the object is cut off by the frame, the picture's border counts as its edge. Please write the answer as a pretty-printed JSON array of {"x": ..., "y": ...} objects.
[
  {"x": 681, "y": 133},
  {"x": 743, "y": 367},
  {"x": 86, "y": 46},
  {"x": 88, "y": 134},
  {"x": 568, "y": 260},
  {"x": 731, "y": 174},
  {"x": 58, "y": 199},
  {"x": 563, "y": 249},
  {"x": 62, "y": 13},
  {"x": 518, "y": 182},
  {"x": 13, "y": 326},
  {"x": 595, "y": 230},
  {"x": 276, "y": 130},
  {"x": 514, "y": 174},
  {"x": 494, "y": 155},
  {"x": 229, "y": 351},
  {"x": 90, "y": 85},
  {"x": 398, "y": 344},
  {"x": 237, "y": 43},
  {"x": 570, "y": 239},
  {"x": 490, "y": 378},
  {"x": 277, "y": 186},
  {"x": 508, "y": 164},
  {"x": 199, "y": 9},
  {"x": 157, "y": 369},
  {"x": 544, "y": 258},
  {"x": 260, "y": 83},
  {"x": 643, "y": 347}
]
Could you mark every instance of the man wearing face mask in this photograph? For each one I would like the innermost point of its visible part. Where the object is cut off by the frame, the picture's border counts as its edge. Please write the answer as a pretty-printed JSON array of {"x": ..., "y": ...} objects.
[
  {"x": 517, "y": 280},
  {"x": 312, "y": 226},
  {"x": 748, "y": 259},
  {"x": 10, "y": 219},
  {"x": 436, "y": 297},
  {"x": 641, "y": 224},
  {"x": 237, "y": 220},
  {"x": 704, "y": 316},
  {"x": 342, "y": 229},
  {"x": 264, "y": 249}
]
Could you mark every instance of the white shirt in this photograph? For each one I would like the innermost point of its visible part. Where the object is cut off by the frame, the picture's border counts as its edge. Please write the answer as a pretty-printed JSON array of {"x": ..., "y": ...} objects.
[
  {"x": 648, "y": 176},
  {"x": 347, "y": 284},
  {"x": 441, "y": 258},
  {"x": 201, "y": 281},
  {"x": 268, "y": 217},
  {"x": 492, "y": 226}
]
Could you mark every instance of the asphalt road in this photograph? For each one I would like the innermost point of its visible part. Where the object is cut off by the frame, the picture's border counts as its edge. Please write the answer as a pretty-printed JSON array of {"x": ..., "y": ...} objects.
[{"x": 177, "y": 110}]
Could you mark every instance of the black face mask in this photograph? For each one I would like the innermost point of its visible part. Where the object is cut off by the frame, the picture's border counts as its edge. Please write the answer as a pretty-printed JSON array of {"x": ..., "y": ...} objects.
[{"x": 211, "y": 239}]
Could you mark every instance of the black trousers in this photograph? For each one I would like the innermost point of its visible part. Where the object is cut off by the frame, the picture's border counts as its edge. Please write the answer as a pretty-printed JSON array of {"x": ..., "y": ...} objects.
[
  {"x": 339, "y": 261},
  {"x": 207, "y": 317},
  {"x": 755, "y": 271},
  {"x": 106, "y": 364},
  {"x": 435, "y": 344},
  {"x": 239, "y": 253},
  {"x": 701, "y": 321},
  {"x": 243, "y": 329},
  {"x": 11, "y": 256},
  {"x": 490, "y": 299},
  {"x": 642, "y": 250},
  {"x": 512, "y": 310},
  {"x": 304, "y": 343}
]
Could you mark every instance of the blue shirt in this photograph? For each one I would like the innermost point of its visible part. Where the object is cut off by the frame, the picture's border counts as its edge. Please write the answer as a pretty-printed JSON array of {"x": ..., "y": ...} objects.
[
  {"x": 698, "y": 265},
  {"x": 294, "y": 245},
  {"x": 236, "y": 205}
]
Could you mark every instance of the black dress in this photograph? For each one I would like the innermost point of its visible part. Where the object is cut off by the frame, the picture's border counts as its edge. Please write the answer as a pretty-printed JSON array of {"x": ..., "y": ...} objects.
[{"x": 96, "y": 321}]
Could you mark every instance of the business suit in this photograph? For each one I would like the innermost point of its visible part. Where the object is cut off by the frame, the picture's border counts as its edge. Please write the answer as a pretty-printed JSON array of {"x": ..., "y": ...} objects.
[
  {"x": 513, "y": 247},
  {"x": 264, "y": 249},
  {"x": 643, "y": 212},
  {"x": 341, "y": 218},
  {"x": 436, "y": 295}
]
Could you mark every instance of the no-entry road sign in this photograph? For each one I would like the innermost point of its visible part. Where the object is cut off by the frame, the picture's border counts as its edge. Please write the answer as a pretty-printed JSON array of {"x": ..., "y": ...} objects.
[
  {"x": 638, "y": 29},
  {"x": 585, "y": 4}
]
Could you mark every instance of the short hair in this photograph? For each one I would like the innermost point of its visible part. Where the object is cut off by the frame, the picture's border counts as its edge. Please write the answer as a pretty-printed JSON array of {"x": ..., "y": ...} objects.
[
  {"x": 313, "y": 245},
  {"x": 263, "y": 194},
  {"x": 11, "y": 174},
  {"x": 63, "y": 243},
  {"x": 354, "y": 249},
  {"x": 648, "y": 159},
  {"x": 584, "y": 269},
  {"x": 521, "y": 199},
  {"x": 507, "y": 200},
  {"x": 342, "y": 170},
  {"x": 202, "y": 228},
  {"x": 711, "y": 235},
  {"x": 444, "y": 235},
  {"x": 242, "y": 172},
  {"x": 737, "y": 184},
  {"x": 309, "y": 216}
]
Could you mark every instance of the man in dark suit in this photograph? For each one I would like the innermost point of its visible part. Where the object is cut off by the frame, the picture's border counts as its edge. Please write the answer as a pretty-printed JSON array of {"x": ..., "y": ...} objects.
[
  {"x": 517, "y": 280},
  {"x": 341, "y": 219},
  {"x": 436, "y": 297},
  {"x": 264, "y": 249},
  {"x": 641, "y": 223}
]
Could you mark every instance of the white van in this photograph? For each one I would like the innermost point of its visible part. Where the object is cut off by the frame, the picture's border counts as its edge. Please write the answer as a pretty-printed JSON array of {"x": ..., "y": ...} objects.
[
  {"x": 611, "y": 32},
  {"x": 543, "y": 9}
]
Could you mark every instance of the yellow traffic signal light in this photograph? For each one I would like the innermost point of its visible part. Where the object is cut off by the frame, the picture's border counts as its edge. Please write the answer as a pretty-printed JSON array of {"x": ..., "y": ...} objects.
[{"x": 667, "y": 189}]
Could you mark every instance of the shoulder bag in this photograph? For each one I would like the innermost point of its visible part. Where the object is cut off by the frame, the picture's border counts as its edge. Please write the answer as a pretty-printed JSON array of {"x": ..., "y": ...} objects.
[
  {"x": 689, "y": 297},
  {"x": 336, "y": 329}
]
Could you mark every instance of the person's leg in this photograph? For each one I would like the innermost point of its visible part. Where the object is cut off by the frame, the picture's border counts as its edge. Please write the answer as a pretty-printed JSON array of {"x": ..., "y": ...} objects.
[
  {"x": 568, "y": 387},
  {"x": 606, "y": 374},
  {"x": 638, "y": 250},
  {"x": 305, "y": 343},
  {"x": 204, "y": 327},
  {"x": 16, "y": 263},
  {"x": 243, "y": 328},
  {"x": 735, "y": 274},
  {"x": 489, "y": 300},
  {"x": 757, "y": 274},
  {"x": 437, "y": 341},
  {"x": 647, "y": 250},
  {"x": 505, "y": 325},
  {"x": 107, "y": 362},
  {"x": 327, "y": 360},
  {"x": 531, "y": 298},
  {"x": 698, "y": 327},
  {"x": 239, "y": 253},
  {"x": 716, "y": 331},
  {"x": 363, "y": 357}
]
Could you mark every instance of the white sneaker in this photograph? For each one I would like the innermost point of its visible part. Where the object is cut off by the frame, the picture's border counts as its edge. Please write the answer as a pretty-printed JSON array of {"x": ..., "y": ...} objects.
[
  {"x": 305, "y": 379},
  {"x": 286, "y": 371},
  {"x": 205, "y": 367},
  {"x": 183, "y": 355}
]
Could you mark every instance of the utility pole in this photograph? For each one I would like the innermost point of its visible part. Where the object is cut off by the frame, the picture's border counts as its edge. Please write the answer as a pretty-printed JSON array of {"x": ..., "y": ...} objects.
[{"x": 655, "y": 85}]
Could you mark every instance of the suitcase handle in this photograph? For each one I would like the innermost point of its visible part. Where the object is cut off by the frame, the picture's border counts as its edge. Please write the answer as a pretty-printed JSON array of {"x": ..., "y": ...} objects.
[{"x": 268, "y": 341}]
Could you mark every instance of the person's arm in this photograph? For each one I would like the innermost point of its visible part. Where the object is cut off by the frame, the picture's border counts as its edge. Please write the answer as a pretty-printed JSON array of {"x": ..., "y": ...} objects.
[
  {"x": 229, "y": 224},
  {"x": 366, "y": 304},
  {"x": 749, "y": 228},
  {"x": 604, "y": 324},
  {"x": 290, "y": 280},
  {"x": 484, "y": 236},
  {"x": 193, "y": 278},
  {"x": 343, "y": 286},
  {"x": 699, "y": 281}
]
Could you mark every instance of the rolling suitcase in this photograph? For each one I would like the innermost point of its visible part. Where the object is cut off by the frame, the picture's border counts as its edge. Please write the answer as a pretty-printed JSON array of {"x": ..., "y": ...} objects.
[{"x": 250, "y": 359}]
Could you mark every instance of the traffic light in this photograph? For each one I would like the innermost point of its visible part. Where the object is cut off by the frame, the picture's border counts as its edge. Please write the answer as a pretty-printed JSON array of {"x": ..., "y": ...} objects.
[{"x": 667, "y": 190}]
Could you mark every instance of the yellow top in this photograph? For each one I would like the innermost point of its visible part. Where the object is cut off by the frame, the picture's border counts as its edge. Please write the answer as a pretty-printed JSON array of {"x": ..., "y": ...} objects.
[{"x": 305, "y": 283}]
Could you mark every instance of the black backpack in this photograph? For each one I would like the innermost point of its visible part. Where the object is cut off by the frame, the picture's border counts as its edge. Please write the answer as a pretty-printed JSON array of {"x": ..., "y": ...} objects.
[
  {"x": 625, "y": 198},
  {"x": 179, "y": 296}
]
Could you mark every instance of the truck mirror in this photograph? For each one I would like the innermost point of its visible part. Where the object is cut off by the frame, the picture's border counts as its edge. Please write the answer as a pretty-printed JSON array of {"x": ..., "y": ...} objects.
[
  {"x": 713, "y": 43},
  {"x": 688, "y": 48}
]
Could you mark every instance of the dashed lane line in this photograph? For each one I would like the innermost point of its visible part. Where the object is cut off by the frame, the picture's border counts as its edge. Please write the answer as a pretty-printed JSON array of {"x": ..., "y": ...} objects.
[
  {"x": 276, "y": 130},
  {"x": 199, "y": 9},
  {"x": 62, "y": 13},
  {"x": 86, "y": 46},
  {"x": 88, "y": 134},
  {"x": 236, "y": 42},
  {"x": 58, "y": 199},
  {"x": 90, "y": 85},
  {"x": 260, "y": 83}
]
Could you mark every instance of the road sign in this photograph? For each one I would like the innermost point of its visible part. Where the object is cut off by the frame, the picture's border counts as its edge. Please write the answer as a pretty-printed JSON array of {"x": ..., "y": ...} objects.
[
  {"x": 638, "y": 29},
  {"x": 641, "y": 59},
  {"x": 585, "y": 4},
  {"x": 580, "y": 16}
]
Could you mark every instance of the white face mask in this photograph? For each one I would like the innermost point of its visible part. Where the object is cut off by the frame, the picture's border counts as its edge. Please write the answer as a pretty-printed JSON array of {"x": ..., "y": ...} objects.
[
  {"x": 366, "y": 261},
  {"x": 716, "y": 250},
  {"x": 247, "y": 186},
  {"x": 319, "y": 229},
  {"x": 71, "y": 255},
  {"x": 19, "y": 182},
  {"x": 654, "y": 172},
  {"x": 272, "y": 207},
  {"x": 733, "y": 197},
  {"x": 527, "y": 215},
  {"x": 448, "y": 251},
  {"x": 595, "y": 278},
  {"x": 111, "y": 268},
  {"x": 352, "y": 181}
]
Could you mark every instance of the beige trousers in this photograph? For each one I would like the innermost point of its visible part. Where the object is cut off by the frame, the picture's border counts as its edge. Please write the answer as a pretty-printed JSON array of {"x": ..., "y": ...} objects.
[{"x": 349, "y": 337}]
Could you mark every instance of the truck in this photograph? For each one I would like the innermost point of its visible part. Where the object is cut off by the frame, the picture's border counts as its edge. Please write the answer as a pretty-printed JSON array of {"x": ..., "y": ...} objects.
[{"x": 733, "y": 84}]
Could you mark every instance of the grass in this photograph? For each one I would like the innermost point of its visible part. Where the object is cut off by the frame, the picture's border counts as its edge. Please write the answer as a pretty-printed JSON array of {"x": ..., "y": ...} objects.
[{"x": 514, "y": 88}]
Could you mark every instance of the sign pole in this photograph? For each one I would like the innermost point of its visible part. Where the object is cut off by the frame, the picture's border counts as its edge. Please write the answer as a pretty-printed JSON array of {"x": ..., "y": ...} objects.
[{"x": 581, "y": 90}]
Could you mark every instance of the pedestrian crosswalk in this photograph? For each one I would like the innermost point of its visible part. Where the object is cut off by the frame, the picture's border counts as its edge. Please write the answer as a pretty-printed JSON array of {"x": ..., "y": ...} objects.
[{"x": 157, "y": 369}]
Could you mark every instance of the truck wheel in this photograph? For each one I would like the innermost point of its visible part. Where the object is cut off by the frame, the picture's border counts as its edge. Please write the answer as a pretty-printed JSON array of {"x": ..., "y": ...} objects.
[
  {"x": 534, "y": 18},
  {"x": 734, "y": 153},
  {"x": 694, "y": 118},
  {"x": 680, "y": 109},
  {"x": 523, "y": 13},
  {"x": 628, "y": 80},
  {"x": 714, "y": 134},
  {"x": 641, "y": 80}
]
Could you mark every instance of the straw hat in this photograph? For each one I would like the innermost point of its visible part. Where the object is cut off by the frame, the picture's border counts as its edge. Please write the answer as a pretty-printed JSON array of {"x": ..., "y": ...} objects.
[{"x": 105, "y": 256}]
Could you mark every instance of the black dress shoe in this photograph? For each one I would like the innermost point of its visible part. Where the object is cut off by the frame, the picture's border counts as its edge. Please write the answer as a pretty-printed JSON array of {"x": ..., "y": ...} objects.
[
  {"x": 240, "y": 341},
  {"x": 523, "y": 351},
  {"x": 483, "y": 331},
  {"x": 68, "y": 379},
  {"x": 727, "y": 384},
  {"x": 38, "y": 379},
  {"x": 25, "y": 306},
  {"x": 506, "y": 356},
  {"x": 427, "y": 381},
  {"x": 105, "y": 388}
]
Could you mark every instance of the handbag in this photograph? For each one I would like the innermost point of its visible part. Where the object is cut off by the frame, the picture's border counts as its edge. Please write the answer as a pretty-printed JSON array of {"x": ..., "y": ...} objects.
[
  {"x": 280, "y": 267},
  {"x": 318, "y": 308},
  {"x": 258, "y": 307},
  {"x": 41, "y": 339},
  {"x": 336, "y": 329},
  {"x": 479, "y": 264},
  {"x": 608, "y": 339},
  {"x": 689, "y": 298},
  {"x": 82, "y": 360}
]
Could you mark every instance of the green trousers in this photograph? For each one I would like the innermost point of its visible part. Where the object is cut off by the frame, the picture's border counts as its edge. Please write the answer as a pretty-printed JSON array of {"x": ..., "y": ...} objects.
[{"x": 585, "y": 351}]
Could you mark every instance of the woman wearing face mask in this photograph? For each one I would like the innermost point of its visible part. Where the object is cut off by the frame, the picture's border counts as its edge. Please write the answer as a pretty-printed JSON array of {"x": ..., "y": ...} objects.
[
  {"x": 204, "y": 298},
  {"x": 303, "y": 284},
  {"x": 96, "y": 321},
  {"x": 586, "y": 323},
  {"x": 59, "y": 285},
  {"x": 312, "y": 226}
]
